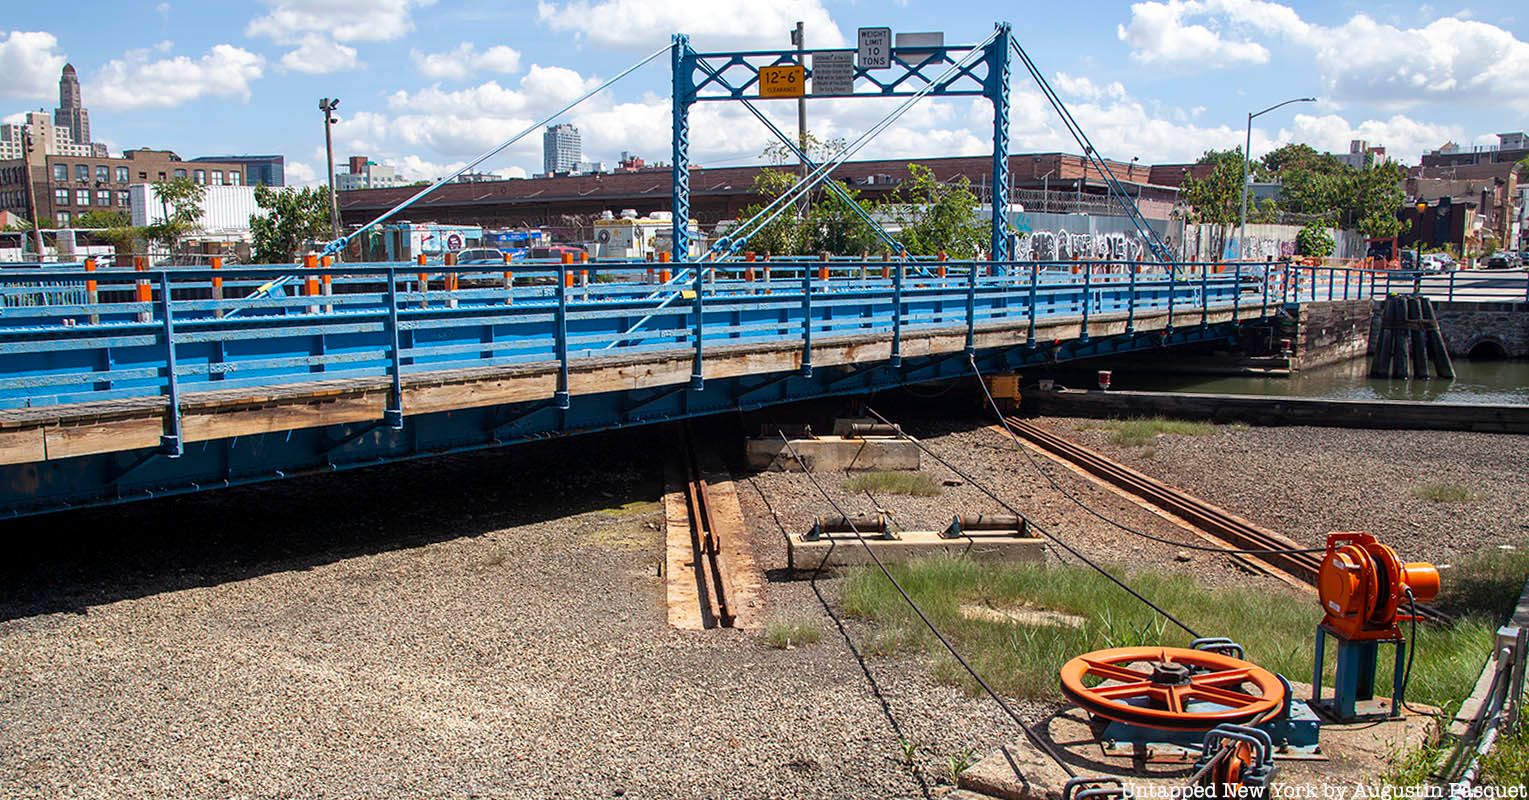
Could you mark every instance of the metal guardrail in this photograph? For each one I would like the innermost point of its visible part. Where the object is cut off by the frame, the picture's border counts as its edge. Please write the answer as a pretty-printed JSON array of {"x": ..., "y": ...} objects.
[{"x": 70, "y": 335}]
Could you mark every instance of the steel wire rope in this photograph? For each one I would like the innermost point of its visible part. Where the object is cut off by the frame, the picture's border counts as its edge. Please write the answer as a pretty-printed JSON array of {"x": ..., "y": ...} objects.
[
  {"x": 1038, "y": 528},
  {"x": 1034, "y": 738},
  {"x": 1122, "y": 526},
  {"x": 340, "y": 243}
]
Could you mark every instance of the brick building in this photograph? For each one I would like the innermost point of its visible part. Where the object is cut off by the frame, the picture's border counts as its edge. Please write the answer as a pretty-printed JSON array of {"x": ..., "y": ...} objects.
[
  {"x": 67, "y": 186},
  {"x": 1059, "y": 181}
]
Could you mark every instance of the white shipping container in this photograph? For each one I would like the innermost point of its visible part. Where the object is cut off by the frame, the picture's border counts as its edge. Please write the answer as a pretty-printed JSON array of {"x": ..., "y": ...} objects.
[{"x": 225, "y": 209}]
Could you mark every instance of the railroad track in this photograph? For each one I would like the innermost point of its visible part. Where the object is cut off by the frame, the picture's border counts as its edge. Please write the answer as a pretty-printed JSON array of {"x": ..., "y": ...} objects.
[
  {"x": 1284, "y": 554},
  {"x": 712, "y": 583}
]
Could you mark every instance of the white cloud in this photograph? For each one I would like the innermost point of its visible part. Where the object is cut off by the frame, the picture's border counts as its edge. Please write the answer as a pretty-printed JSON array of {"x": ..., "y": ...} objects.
[
  {"x": 465, "y": 61},
  {"x": 30, "y": 62},
  {"x": 299, "y": 173},
  {"x": 1402, "y": 136},
  {"x": 1082, "y": 87},
  {"x": 1161, "y": 34},
  {"x": 1449, "y": 60},
  {"x": 712, "y": 25},
  {"x": 136, "y": 82},
  {"x": 288, "y": 21},
  {"x": 317, "y": 55}
]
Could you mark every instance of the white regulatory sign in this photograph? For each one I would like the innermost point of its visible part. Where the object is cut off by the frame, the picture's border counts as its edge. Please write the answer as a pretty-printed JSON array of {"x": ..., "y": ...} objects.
[
  {"x": 833, "y": 73},
  {"x": 875, "y": 48}
]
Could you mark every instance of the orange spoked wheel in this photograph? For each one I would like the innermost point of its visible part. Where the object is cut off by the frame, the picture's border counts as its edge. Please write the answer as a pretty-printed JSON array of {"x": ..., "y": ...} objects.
[{"x": 1171, "y": 687}]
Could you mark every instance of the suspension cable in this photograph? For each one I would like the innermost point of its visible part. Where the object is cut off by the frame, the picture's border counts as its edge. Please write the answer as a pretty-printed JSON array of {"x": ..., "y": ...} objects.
[
  {"x": 1030, "y": 734},
  {"x": 1048, "y": 534},
  {"x": 1025, "y": 451}
]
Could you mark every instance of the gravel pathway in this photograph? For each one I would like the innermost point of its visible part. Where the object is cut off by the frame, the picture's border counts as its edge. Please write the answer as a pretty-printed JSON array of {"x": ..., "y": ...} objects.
[
  {"x": 1305, "y": 482},
  {"x": 486, "y": 626}
]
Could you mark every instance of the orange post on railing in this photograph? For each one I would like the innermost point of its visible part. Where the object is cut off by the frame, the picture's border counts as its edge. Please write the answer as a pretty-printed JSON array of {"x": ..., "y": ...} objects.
[
  {"x": 311, "y": 283},
  {"x": 663, "y": 276},
  {"x": 144, "y": 293},
  {"x": 217, "y": 281},
  {"x": 90, "y": 285},
  {"x": 663, "y": 258}
]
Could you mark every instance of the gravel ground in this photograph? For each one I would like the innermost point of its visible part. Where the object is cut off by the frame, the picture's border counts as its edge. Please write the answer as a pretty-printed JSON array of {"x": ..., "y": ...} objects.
[
  {"x": 1305, "y": 482},
  {"x": 493, "y": 625},
  {"x": 481, "y": 626}
]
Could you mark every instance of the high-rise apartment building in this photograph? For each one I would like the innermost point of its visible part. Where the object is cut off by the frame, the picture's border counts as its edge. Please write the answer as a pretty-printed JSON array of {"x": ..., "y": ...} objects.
[{"x": 562, "y": 150}]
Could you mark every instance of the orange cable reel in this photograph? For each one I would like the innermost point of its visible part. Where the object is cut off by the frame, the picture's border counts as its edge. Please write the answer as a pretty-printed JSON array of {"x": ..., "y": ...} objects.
[
  {"x": 1363, "y": 584},
  {"x": 1172, "y": 688}
]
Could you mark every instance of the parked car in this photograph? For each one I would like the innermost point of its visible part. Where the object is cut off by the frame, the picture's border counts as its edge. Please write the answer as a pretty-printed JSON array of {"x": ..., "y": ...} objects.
[
  {"x": 1439, "y": 262},
  {"x": 480, "y": 255},
  {"x": 556, "y": 251},
  {"x": 1501, "y": 260}
]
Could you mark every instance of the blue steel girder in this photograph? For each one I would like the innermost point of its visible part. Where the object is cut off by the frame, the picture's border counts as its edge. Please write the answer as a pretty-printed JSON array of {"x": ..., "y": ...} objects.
[
  {"x": 911, "y": 71},
  {"x": 997, "y": 90},
  {"x": 683, "y": 95},
  {"x": 94, "y": 480}
]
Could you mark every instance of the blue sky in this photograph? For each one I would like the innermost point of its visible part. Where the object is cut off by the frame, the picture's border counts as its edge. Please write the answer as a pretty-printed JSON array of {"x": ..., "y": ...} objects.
[{"x": 428, "y": 85}]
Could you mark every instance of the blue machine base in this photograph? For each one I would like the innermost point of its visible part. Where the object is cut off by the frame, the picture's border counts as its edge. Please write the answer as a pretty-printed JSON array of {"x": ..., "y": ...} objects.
[{"x": 1295, "y": 737}]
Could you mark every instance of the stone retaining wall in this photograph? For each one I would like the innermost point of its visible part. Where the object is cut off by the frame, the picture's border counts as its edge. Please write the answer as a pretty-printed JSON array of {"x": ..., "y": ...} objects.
[{"x": 1466, "y": 325}]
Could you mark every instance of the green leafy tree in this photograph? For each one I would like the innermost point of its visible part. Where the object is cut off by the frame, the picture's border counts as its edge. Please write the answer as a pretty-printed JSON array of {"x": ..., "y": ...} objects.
[
  {"x": 180, "y": 200},
  {"x": 833, "y": 226},
  {"x": 1216, "y": 198},
  {"x": 293, "y": 218},
  {"x": 782, "y": 236},
  {"x": 1313, "y": 240},
  {"x": 97, "y": 218},
  {"x": 938, "y": 216}
]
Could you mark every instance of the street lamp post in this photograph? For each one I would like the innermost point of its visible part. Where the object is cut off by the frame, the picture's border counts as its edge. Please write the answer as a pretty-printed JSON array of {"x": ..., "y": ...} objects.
[
  {"x": 327, "y": 106},
  {"x": 1242, "y": 229}
]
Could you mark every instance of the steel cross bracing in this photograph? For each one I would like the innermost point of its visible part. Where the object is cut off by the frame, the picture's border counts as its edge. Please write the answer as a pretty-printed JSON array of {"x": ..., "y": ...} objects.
[{"x": 946, "y": 71}]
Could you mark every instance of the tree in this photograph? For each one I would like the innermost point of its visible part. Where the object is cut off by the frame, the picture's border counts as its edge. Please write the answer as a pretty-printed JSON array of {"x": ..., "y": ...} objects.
[
  {"x": 180, "y": 199},
  {"x": 96, "y": 219},
  {"x": 1217, "y": 198},
  {"x": 833, "y": 226},
  {"x": 938, "y": 216},
  {"x": 816, "y": 149},
  {"x": 1313, "y": 240},
  {"x": 293, "y": 218}
]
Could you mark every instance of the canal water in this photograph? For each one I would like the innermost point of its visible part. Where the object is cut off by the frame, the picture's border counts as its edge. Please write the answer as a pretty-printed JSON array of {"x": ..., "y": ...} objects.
[{"x": 1475, "y": 382}]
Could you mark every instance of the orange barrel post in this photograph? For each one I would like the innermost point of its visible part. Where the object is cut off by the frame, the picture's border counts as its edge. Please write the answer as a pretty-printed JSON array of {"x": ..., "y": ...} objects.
[
  {"x": 217, "y": 281},
  {"x": 663, "y": 276},
  {"x": 748, "y": 255},
  {"x": 144, "y": 291},
  {"x": 886, "y": 272},
  {"x": 567, "y": 274},
  {"x": 90, "y": 285},
  {"x": 823, "y": 267},
  {"x": 663, "y": 258},
  {"x": 424, "y": 281},
  {"x": 311, "y": 283},
  {"x": 583, "y": 277}
]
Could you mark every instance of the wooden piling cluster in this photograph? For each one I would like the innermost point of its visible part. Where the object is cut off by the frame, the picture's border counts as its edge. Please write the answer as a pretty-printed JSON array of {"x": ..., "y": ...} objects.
[{"x": 1409, "y": 340}]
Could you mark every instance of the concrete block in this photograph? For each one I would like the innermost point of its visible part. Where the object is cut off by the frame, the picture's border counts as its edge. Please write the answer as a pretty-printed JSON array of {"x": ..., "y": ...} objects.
[
  {"x": 833, "y": 454},
  {"x": 846, "y": 550}
]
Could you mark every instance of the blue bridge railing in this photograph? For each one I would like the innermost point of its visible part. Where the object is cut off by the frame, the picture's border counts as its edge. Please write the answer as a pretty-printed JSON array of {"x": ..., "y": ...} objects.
[{"x": 71, "y": 335}]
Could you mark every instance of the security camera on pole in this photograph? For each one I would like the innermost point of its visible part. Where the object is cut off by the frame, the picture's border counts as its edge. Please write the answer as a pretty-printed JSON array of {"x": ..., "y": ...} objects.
[{"x": 327, "y": 106}]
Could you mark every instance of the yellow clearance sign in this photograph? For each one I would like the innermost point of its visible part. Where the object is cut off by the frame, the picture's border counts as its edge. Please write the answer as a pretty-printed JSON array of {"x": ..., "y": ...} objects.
[{"x": 788, "y": 80}]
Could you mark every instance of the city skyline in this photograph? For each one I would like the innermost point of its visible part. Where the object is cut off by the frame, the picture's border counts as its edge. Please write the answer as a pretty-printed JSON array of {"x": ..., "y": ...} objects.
[{"x": 1159, "y": 81}]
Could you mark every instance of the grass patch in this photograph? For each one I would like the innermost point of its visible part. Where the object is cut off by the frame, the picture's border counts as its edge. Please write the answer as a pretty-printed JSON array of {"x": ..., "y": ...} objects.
[
  {"x": 1023, "y": 659},
  {"x": 893, "y": 482},
  {"x": 632, "y": 508},
  {"x": 783, "y": 634},
  {"x": 1508, "y": 763},
  {"x": 1443, "y": 493},
  {"x": 1141, "y": 431}
]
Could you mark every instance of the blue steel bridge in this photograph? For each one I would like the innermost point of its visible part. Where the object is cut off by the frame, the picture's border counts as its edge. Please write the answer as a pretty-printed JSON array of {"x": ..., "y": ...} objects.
[{"x": 118, "y": 385}]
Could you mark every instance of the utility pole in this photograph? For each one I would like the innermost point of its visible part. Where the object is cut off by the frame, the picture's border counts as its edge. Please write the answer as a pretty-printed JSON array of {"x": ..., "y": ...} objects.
[
  {"x": 799, "y": 38},
  {"x": 28, "y": 146},
  {"x": 328, "y": 106}
]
